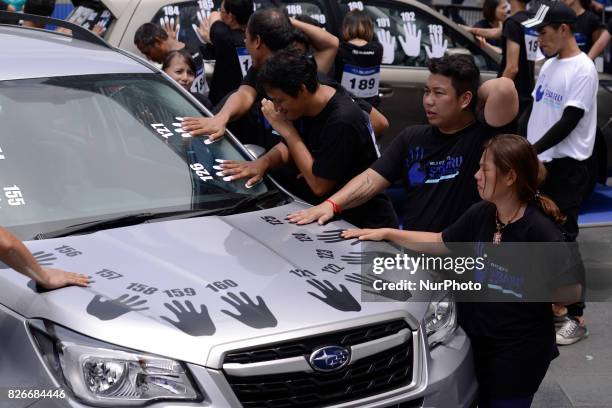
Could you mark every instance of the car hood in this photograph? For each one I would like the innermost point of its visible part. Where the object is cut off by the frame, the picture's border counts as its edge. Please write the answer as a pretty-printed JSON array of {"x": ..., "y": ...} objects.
[{"x": 193, "y": 289}]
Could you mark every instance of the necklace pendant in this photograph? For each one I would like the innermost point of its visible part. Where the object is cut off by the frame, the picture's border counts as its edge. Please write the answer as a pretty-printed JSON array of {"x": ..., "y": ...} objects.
[{"x": 497, "y": 237}]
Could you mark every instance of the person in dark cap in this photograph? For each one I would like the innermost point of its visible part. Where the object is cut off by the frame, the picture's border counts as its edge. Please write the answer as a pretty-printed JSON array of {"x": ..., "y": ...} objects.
[{"x": 562, "y": 128}]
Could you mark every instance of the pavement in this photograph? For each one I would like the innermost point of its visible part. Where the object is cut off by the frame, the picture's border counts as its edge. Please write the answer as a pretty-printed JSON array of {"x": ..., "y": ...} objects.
[{"x": 581, "y": 377}]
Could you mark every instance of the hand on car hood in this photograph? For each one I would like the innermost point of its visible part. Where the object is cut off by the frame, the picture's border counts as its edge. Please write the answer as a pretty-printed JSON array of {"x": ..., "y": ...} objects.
[{"x": 180, "y": 288}]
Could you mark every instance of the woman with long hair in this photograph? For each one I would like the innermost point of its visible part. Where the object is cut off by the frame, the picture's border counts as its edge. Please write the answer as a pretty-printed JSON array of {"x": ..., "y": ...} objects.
[{"x": 513, "y": 343}]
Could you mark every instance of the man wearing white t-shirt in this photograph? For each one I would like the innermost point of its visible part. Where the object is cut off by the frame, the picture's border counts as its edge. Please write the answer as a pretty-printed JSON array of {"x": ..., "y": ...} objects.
[{"x": 562, "y": 128}]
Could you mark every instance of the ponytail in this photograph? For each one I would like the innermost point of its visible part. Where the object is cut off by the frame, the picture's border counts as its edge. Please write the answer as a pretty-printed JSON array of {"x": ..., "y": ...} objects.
[
  {"x": 549, "y": 208},
  {"x": 547, "y": 205}
]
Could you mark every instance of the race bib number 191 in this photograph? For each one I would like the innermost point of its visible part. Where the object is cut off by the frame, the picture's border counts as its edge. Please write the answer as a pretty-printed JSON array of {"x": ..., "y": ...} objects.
[
  {"x": 361, "y": 82},
  {"x": 245, "y": 60}
]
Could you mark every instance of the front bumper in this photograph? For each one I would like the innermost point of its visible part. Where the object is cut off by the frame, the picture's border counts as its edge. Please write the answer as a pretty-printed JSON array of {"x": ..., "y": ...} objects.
[{"x": 444, "y": 376}]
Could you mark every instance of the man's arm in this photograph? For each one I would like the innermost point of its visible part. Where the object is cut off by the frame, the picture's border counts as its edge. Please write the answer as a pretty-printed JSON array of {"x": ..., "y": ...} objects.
[
  {"x": 379, "y": 122},
  {"x": 500, "y": 101},
  {"x": 18, "y": 257},
  {"x": 600, "y": 45},
  {"x": 304, "y": 161},
  {"x": 324, "y": 43},
  {"x": 560, "y": 130},
  {"x": 356, "y": 192},
  {"x": 512, "y": 59},
  {"x": 254, "y": 170},
  {"x": 236, "y": 106}
]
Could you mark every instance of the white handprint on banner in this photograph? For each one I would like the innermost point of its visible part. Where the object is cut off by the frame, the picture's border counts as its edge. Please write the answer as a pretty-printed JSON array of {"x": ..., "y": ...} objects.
[
  {"x": 388, "y": 42},
  {"x": 411, "y": 43},
  {"x": 438, "y": 43}
]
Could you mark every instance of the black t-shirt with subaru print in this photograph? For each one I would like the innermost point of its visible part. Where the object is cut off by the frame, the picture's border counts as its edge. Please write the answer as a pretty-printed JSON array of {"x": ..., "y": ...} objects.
[{"x": 437, "y": 171}]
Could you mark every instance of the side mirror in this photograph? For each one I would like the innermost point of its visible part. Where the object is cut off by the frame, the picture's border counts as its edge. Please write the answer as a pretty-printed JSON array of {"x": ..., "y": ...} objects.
[{"x": 255, "y": 150}]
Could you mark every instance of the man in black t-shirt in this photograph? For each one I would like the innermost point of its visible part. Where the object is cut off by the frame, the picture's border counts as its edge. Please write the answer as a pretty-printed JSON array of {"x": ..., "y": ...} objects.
[
  {"x": 325, "y": 135},
  {"x": 436, "y": 162},
  {"x": 225, "y": 31},
  {"x": 520, "y": 49},
  {"x": 268, "y": 30}
]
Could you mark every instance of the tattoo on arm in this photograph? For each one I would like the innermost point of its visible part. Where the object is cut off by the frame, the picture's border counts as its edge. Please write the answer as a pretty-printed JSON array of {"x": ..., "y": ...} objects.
[{"x": 360, "y": 191}]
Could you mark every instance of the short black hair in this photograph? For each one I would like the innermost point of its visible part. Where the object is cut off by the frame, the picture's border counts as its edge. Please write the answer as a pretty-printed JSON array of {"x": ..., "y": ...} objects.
[
  {"x": 571, "y": 26},
  {"x": 462, "y": 70},
  {"x": 288, "y": 70},
  {"x": 273, "y": 27},
  {"x": 148, "y": 33},
  {"x": 241, "y": 9},
  {"x": 39, "y": 7}
]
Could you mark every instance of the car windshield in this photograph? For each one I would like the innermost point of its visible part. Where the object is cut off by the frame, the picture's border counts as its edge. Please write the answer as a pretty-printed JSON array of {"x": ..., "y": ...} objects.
[{"x": 89, "y": 148}]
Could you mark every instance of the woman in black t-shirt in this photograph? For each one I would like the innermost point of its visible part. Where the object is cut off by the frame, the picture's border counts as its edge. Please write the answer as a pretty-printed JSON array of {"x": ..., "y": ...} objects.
[
  {"x": 494, "y": 13},
  {"x": 357, "y": 65},
  {"x": 179, "y": 65},
  {"x": 513, "y": 343}
]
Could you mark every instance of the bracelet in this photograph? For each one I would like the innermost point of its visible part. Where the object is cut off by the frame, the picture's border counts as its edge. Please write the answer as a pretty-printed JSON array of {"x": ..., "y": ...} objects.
[{"x": 336, "y": 207}]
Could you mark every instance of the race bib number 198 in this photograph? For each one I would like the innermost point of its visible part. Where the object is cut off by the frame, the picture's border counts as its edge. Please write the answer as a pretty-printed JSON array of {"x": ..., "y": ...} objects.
[{"x": 361, "y": 82}]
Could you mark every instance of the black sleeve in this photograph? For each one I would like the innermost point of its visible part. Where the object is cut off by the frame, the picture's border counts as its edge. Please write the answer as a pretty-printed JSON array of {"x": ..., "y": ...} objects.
[
  {"x": 390, "y": 164},
  {"x": 609, "y": 26},
  {"x": 560, "y": 130},
  {"x": 523, "y": 121},
  {"x": 250, "y": 78},
  {"x": 463, "y": 230},
  {"x": 335, "y": 151},
  {"x": 513, "y": 31}
]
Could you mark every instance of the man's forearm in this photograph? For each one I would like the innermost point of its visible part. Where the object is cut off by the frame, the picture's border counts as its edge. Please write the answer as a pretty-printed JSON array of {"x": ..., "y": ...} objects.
[
  {"x": 276, "y": 157},
  {"x": 360, "y": 189},
  {"x": 236, "y": 106},
  {"x": 560, "y": 130}
]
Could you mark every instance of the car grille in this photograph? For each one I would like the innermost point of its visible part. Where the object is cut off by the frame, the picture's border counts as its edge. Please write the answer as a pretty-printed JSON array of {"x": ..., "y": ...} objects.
[
  {"x": 381, "y": 372},
  {"x": 306, "y": 346}
]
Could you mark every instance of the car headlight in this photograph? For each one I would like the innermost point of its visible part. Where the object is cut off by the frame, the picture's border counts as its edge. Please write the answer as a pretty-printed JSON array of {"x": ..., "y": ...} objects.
[
  {"x": 106, "y": 375},
  {"x": 440, "y": 320}
]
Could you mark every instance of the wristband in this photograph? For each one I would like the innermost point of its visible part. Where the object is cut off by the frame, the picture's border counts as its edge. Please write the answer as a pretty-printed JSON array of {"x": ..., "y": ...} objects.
[{"x": 336, "y": 207}]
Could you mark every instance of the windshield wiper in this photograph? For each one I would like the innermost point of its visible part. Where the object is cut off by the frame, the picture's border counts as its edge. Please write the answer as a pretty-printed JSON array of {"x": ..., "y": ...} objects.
[
  {"x": 122, "y": 221},
  {"x": 246, "y": 202},
  {"x": 139, "y": 218}
]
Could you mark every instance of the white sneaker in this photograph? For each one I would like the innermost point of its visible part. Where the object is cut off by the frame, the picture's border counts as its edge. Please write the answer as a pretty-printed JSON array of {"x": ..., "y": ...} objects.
[{"x": 570, "y": 332}]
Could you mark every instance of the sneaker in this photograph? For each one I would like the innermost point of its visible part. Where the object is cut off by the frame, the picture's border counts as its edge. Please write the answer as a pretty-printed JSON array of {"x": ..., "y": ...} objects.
[
  {"x": 570, "y": 332},
  {"x": 559, "y": 322}
]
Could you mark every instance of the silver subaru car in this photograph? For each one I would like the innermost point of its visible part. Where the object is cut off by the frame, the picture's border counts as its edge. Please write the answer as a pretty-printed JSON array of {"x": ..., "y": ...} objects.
[{"x": 203, "y": 295}]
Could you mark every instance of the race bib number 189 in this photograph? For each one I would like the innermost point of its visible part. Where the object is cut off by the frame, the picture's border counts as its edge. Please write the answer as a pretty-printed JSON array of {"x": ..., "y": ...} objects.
[
  {"x": 361, "y": 82},
  {"x": 245, "y": 60}
]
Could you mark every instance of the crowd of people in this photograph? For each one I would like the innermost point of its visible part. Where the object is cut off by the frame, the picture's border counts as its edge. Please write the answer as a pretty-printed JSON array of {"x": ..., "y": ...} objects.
[{"x": 509, "y": 160}]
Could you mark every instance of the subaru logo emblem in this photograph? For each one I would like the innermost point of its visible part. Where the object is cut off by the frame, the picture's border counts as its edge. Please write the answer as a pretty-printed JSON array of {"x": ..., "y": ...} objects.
[{"x": 330, "y": 358}]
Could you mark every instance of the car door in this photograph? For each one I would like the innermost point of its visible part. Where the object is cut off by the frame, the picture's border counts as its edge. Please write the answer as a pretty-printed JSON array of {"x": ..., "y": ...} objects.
[{"x": 411, "y": 34}]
